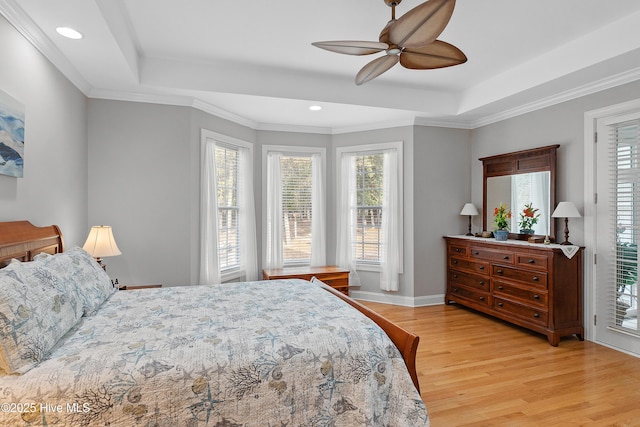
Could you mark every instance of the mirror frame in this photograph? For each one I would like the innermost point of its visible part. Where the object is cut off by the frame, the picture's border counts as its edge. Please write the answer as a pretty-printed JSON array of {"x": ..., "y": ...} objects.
[{"x": 534, "y": 160}]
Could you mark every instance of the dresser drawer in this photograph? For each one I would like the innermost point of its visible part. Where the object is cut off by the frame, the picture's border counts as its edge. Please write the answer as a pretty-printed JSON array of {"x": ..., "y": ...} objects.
[
  {"x": 538, "y": 262},
  {"x": 532, "y": 278},
  {"x": 467, "y": 264},
  {"x": 335, "y": 282},
  {"x": 530, "y": 296},
  {"x": 469, "y": 280},
  {"x": 469, "y": 294},
  {"x": 458, "y": 250},
  {"x": 529, "y": 313},
  {"x": 504, "y": 257}
]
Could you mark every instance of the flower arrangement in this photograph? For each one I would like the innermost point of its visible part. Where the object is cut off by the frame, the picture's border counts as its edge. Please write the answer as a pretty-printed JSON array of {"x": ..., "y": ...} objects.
[
  {"x": 528, "y": 217},
  {"x": 501, "y": 216}
]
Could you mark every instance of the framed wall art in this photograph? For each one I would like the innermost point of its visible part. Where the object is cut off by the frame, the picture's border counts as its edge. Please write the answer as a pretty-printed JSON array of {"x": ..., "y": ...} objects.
[{"x": 11, "y": 136}]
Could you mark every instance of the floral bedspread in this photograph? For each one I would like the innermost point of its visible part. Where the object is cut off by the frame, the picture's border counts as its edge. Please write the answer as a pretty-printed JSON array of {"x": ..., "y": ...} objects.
[{"x": 277, "y": 353}]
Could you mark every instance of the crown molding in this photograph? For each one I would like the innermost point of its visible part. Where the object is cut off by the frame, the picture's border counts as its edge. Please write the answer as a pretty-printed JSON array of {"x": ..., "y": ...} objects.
[
  {"x": 30, "y": 31},
  {"x": 372, "y": 126},
  {"x": 619, "y": 79},
  {"x": 293, "y": 128},
  {"x": 176, "y": 100},
  {"x": 451, "y": 123}
]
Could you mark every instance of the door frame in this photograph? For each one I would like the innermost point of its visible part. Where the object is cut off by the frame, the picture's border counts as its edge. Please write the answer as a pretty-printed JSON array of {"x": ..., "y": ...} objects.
[{"x": 590, "y": 265}]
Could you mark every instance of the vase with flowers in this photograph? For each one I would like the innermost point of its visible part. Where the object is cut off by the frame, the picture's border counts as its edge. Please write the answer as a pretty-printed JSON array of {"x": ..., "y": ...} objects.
[
  {"x": 528, "y": 218},
  {"x": 501, "y": 217}
]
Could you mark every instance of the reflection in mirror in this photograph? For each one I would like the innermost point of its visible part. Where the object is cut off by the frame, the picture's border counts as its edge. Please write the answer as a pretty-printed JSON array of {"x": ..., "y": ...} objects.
[{"x": 517, "y": 191}]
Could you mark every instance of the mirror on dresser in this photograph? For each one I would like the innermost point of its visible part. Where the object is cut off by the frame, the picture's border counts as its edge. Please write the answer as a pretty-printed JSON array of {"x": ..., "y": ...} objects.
[{"x": 520, "y": 178}]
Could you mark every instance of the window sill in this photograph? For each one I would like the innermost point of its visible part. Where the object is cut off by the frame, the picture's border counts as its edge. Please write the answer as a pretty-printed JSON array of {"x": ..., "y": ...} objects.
[
  {"x": 368, "y": 267},
  {"x": 227, "y": 276}
]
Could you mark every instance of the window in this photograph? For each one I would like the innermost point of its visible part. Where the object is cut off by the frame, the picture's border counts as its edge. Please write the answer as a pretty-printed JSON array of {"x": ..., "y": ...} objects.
[
  {"x": 369, "y": 216},
  {"x": 625, "y": 179},
  {"x": 227, "y": 230},
  {"x": 294, "y": 199},
  {"x": 296, "y": 176},
  {"x": 369, "y": 173},
  {"x": 227, "y": 197}
]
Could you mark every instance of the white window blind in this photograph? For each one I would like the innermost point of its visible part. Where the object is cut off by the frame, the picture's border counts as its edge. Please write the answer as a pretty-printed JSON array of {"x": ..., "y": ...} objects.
[
  {"x": 625, "y": 185},
  {"x": 227, "y": 180},
  {"x": 296, "y": 176},
  {"x": 369, "y": 175}
]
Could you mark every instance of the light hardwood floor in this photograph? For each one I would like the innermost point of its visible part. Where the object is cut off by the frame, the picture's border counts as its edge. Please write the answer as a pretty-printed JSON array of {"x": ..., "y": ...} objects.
[{"x": 478, "y": 371}]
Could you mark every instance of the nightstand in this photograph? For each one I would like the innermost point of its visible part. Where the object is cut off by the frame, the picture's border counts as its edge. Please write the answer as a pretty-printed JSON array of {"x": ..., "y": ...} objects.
[
  {"x": 337, "y": 278},
  {"x": 134, "y": 287}
]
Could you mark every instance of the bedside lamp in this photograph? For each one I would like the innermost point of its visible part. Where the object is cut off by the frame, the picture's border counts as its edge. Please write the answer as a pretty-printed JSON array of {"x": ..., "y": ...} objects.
[
  {"x": 100, "y": 243},
  {"x": 566, "y": 210},
  {"x": 469, "y": 209}
]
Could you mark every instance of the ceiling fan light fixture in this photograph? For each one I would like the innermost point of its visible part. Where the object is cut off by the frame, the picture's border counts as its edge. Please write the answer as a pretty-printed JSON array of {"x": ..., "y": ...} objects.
[
  {"x": 410, "y": 40},
  {"x": 315, "y": 108}
]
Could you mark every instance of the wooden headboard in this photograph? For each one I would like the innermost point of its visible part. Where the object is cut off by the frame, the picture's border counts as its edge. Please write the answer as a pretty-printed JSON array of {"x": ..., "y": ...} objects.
[{"x": 23, "y": 240}]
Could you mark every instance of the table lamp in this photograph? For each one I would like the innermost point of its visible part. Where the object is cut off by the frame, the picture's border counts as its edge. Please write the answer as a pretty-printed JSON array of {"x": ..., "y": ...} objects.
[
  {"x": 566, "y": 210},
  {"x": 469, "y": 209},
  {"x": 100, "y": 243}
]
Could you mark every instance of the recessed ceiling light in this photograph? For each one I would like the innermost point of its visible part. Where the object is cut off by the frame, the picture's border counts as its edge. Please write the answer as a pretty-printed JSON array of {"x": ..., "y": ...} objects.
[
  {"x": 69, "y": 33},
  {"x": 315, "y": 108}
]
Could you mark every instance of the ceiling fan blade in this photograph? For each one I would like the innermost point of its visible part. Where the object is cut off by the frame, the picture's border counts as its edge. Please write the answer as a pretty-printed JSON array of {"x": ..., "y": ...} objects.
[
  {"x": 376, "y": 67},
  {"x": 422, "y": 24},
  {"x": 438, "y": 54},
  {"x": 352, "y": 47}
]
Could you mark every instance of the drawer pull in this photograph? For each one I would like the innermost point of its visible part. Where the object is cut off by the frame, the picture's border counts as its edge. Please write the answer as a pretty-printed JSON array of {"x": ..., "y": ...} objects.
[
  {"x": 454, "y": 262},
  {"x": 482, "y": 267},
  {"x": 500, "y": 304},
  {"x": 501, "y": 287},
  {"x": 476, "y": 253},
  {"x": 536, "y": 296},
  {"x": 455, "y": 289},
  {"x": 536, "y": 315},
  {"x": 499, "y": 271},
  {"x": 457, "y": 249},
  {"x": 481, "y": 282},
  {"x": 481, "y": 298},
  {"x": 536, "y": 279},
  {"x": 532, "y": 261},
  {"x": 455, "y": 276},
  {"x": 506, "y": 257}
]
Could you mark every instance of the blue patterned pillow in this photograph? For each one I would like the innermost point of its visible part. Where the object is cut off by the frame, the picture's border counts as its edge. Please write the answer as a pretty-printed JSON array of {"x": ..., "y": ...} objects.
[
  {"x": 36, "y": 309},
  {"x": 78, "y": 268}
]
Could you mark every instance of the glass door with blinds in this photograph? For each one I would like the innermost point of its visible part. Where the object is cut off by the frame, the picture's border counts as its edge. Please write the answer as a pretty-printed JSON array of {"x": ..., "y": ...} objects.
[{"x": 618, "y": 231}]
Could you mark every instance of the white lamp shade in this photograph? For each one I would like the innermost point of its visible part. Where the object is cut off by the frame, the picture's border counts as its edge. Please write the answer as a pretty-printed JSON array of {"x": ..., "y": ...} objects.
[
  {"x": 101, "y": 243},
  {"x": 469, "y": 209},
  {"x": 566, "y": 210}
]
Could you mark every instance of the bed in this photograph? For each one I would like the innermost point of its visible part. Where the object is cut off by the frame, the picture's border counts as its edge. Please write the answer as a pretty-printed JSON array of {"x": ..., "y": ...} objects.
[{"x": 269, "y": 353}]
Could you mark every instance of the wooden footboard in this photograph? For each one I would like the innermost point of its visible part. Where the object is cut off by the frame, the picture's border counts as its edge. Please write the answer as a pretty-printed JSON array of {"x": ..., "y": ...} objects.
[{"x": 406, "y": 342}]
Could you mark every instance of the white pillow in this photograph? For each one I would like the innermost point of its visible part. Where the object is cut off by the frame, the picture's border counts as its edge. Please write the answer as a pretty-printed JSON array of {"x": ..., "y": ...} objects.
[
  {"x": 37, "y": 308},
  {"x": 78, "y": 268}
]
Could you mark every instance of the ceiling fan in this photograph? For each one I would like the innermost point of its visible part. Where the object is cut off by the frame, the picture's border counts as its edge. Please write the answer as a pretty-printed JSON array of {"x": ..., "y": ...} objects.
[{"x": 410, "y": 40}]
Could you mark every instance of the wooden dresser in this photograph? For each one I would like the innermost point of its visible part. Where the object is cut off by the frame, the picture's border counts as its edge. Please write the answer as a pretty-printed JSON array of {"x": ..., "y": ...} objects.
[
  {"x": 535, "y": 286},
  {"x": 337, "y": 278}
]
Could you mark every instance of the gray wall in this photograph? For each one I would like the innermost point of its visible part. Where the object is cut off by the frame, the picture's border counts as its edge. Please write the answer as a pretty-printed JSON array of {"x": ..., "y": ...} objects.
[
  {"x": 54, "y": 187},
  {"x": 442, "y": 185},
  {"x": 144, "y": 180}
]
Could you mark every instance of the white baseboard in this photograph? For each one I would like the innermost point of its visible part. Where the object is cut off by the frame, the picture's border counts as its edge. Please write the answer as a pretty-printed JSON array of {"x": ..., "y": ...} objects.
[{"x": 397, "y": 299}]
